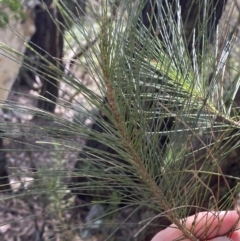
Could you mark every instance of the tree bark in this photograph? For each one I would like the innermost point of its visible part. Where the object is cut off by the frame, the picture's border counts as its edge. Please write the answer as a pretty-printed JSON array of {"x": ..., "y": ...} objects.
[
  {"x": 4, "y": 180},
  {"x": 48, "y": 43},
  {"x": 192, "y": 16}
]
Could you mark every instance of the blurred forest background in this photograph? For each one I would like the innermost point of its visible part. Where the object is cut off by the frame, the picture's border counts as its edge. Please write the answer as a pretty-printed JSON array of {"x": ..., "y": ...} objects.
[{"x": 39, "y": 121}]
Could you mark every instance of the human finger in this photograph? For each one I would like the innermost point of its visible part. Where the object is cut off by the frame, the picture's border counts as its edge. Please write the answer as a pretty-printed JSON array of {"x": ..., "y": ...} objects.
[
  {"x": 204, "y": 225},
  {"x": 235, "y": 235},
  {"x": 208, "y": 225}
]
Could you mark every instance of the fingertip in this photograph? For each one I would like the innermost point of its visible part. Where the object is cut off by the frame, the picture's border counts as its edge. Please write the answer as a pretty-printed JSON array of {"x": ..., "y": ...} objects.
[{"x": 235, "y": 236}]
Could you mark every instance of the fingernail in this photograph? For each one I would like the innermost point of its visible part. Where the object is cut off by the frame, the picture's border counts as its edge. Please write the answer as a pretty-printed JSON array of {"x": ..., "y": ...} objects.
[{"x": 221, "y": 239}]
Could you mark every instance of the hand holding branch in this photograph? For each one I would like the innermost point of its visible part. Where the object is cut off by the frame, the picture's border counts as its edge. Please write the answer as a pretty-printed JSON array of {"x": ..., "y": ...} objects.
[{"x": 214, "y": 226}]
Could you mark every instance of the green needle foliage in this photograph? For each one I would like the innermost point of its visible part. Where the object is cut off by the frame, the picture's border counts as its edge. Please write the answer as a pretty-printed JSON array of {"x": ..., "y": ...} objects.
[{"x": 150, "y": 90}]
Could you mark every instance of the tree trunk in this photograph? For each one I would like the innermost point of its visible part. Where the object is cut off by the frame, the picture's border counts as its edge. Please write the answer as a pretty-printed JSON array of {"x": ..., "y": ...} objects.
[
  {"x": 192, "y": 13},
  {"x": 4, "y": 180},
  {"x": 48, "y": 42},
  {"x": 9, "y": 68}
]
